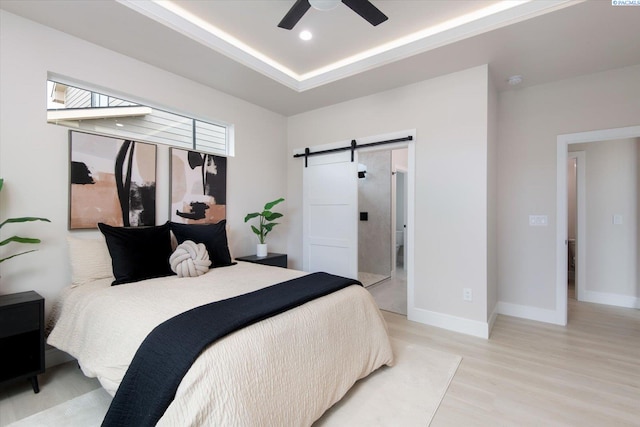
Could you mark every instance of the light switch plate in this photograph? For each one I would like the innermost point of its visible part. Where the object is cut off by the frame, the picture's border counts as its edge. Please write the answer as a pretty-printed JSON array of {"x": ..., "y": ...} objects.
[{"x": 617, "y": 219}]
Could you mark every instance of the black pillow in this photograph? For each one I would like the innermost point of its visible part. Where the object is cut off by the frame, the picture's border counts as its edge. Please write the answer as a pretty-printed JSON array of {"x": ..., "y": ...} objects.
[
  {"x": 138, "y": 253},
  {"x": 214, "y": 237}
]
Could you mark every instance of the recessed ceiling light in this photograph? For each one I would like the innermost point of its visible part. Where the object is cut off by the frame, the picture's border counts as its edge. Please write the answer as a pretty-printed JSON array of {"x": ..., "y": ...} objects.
[{"x": 306, "y": 35}]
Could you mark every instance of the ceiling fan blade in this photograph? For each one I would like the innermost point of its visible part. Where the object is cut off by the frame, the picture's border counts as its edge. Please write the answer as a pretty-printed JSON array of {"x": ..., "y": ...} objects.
[
  {"x": 296, "y": 12},
  {"x": 367, "y": 10}
]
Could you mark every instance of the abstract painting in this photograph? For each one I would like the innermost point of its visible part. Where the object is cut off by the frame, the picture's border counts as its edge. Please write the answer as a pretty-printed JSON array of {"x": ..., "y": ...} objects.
[
  {"x": 111, "y": 180},
  {"x": 198, "y": 187}
]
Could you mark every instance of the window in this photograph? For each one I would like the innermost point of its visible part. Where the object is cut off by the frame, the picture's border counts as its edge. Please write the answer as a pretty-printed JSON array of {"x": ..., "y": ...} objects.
[{"x": 83, "y": 109}]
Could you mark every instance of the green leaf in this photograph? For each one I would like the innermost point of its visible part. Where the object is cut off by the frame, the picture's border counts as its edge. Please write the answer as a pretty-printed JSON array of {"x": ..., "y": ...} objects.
[
  {"x": 272, "y": 216},
  {"x": 270, "y": 226},
  {"x": 19, "y": 240},
  {"x": 269, "y": 205},
  {"x": 265, "y": 215},
  {"x": 13, "y": 256},
  {"x": 250, "y": 216},
  {"x": 24, "y": 219}
]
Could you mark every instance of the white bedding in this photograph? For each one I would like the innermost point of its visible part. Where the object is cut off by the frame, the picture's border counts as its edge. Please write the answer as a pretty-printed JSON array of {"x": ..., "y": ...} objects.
[{"x": 284, "y": 371}]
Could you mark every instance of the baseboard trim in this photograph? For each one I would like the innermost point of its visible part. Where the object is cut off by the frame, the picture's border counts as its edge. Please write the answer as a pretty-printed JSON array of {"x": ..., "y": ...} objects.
[
  {"x": 529, "y": 312},
  {"x": 451, "y": 323},
  {"x": 53, "y": 357},
  {"x": 626, "y": 301}
]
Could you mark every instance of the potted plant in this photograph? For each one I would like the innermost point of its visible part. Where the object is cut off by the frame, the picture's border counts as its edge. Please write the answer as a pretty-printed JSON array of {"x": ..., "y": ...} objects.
[
  {"x": 265, "y": 226},
  {"x": 18, "y": 239}
]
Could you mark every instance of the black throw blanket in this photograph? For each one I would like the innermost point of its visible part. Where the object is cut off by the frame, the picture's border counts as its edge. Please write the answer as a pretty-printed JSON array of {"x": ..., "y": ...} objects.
[{"x": 168, "y": 352}]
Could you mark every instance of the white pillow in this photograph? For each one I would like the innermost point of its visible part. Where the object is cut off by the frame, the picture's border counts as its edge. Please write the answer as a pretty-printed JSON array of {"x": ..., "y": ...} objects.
[
  {"x": 90, "y": 260},
  {"x": 190, "y": 259}
]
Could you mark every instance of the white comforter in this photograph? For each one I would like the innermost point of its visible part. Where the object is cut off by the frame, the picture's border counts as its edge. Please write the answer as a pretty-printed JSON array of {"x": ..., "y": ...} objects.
[{"x": 284, "y": 371}]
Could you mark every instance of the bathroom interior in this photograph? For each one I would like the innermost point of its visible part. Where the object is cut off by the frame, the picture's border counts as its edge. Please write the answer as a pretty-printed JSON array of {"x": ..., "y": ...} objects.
[
  {"x": 572, "y": 212},
  {"x": 382, "y": 201}
]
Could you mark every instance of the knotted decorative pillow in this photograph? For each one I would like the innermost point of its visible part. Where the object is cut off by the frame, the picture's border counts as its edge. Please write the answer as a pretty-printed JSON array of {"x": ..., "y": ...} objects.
[{"x": 190, "y": 259}]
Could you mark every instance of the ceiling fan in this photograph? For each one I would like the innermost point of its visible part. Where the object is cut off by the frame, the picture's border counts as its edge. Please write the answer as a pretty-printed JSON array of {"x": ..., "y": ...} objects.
[{"x": 363, "y": 8}]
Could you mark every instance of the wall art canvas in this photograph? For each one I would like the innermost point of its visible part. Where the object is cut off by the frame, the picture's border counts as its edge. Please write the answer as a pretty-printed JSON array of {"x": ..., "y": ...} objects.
[
  {"x": 112, "y": 180},
  {"x": 198, "y": 187}
]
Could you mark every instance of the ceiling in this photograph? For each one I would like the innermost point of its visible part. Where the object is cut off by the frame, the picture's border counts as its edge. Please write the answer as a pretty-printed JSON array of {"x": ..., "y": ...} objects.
[{"x": 235, "y": 45}]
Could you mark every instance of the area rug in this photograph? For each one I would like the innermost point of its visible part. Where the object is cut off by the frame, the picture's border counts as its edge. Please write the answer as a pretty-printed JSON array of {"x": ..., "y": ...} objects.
[
  {"x": 407, "y": 394},
  {"x": 86, "y": 410}
]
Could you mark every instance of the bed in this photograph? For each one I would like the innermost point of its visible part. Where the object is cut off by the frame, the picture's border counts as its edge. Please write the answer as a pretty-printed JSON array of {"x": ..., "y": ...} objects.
[{"x": 285, "y": 370}]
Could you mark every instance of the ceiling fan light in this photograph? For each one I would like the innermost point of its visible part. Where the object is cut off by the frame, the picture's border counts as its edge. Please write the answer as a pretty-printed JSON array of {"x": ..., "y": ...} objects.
[{"x": 324, "y": 4}]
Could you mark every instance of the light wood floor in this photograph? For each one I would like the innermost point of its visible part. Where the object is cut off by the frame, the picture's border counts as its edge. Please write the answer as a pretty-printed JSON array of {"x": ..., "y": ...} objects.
[
  {"x": 535, "y": 374},
  {"x": 391, "y": 294},
  {"x": 527, "y": 374}
]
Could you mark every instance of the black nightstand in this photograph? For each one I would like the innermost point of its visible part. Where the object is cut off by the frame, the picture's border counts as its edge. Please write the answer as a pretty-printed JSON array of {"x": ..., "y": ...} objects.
[
  {"x": 22, "y": 337},
  {"x": 276, "y": 260}
]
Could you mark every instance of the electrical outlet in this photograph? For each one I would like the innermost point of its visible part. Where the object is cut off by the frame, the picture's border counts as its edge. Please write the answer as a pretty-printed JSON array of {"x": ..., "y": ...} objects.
[{"x": 467, "y": 294}]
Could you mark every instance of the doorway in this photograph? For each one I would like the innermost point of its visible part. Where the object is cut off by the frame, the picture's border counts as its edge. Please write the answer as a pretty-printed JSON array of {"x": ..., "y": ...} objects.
[
  {"x": 576, "y": 221},
  {"x": 375, "y": 217},
  {"x": 400, "y": 214},
  {"x": 388, "y": 193},
  {"x": 572, "y": 209},
  {"x": 328, "y": 243},
  {"x": 563, "y": 142}
]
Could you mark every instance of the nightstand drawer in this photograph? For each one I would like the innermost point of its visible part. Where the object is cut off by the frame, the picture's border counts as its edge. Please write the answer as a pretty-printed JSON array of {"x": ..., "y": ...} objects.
[{"x": 19, "y": 319}]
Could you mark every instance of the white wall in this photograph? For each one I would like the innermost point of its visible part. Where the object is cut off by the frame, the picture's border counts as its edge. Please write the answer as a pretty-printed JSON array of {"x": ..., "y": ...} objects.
[
  {"x": 449, "y": 114},
  {"x": 492, "y": 203},
  {"x": 530, "y": 120},
  {"x": 612, "y": 256},
  {"x": 34, "y": 155}
]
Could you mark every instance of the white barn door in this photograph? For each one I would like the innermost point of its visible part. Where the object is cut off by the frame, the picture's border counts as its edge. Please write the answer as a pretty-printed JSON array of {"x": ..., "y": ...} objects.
[{"x": 330, "y": 214}]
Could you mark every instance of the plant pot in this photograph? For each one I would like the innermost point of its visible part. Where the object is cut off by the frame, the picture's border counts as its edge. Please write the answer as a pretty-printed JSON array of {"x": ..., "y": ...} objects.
[{"x": 261, "y": 250}]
